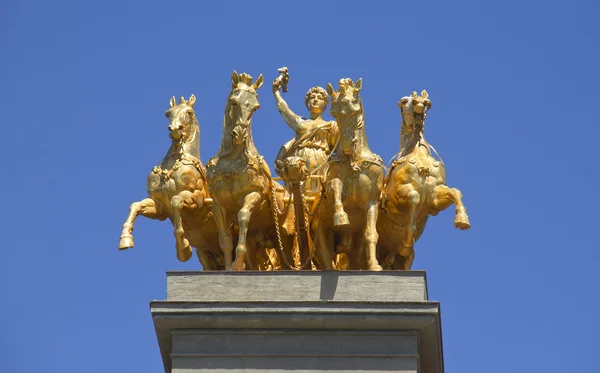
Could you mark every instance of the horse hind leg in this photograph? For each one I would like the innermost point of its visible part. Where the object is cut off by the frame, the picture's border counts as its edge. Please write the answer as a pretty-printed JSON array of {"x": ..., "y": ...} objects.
[
  {"x": 287, "y": 233},
  {"x": 251, "y": 257},
  {"x": 207, "y": 260},
  {"x": 324, "y": 241},
  {"x": 340, "y": 217},
  {"x": 405, "y": 260},
  {"x": 443, "y": 197},
  {"x": 147, "y": 208}
]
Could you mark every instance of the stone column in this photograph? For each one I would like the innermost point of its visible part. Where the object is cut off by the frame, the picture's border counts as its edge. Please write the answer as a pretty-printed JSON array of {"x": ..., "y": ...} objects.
[{"x": 304, "y": 321}]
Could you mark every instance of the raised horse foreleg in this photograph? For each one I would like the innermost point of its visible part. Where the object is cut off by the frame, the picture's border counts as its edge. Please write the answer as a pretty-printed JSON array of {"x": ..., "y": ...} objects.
[
  {"x": 443, "y": 197},
  {"x": 340, "y": 217},
  {"x": 180, "y": 201},
  {"x": 251, "y": 200},
  {"x": 225, "y": 235},
  {"x": 146, "y": 208}
]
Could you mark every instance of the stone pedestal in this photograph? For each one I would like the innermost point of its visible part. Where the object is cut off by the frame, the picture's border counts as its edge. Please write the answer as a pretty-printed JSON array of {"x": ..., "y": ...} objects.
[{"x": 341, "y": 321}]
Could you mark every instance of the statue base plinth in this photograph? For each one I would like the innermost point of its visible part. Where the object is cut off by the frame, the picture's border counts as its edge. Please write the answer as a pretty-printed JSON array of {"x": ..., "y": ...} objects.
[{"x": 308, "y": 321}]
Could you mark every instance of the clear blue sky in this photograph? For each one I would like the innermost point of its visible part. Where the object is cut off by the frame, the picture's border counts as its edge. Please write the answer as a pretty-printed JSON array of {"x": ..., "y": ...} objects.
[{"x": 514, "y": 87}]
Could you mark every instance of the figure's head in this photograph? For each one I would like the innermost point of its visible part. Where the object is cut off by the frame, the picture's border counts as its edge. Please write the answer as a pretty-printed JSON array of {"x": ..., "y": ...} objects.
[
  {"x": 346, "y": 101},
  {"x": 181, "y": 118},
  {"x": 316, "y": 100},
  {"x": 414, "y": 109}
]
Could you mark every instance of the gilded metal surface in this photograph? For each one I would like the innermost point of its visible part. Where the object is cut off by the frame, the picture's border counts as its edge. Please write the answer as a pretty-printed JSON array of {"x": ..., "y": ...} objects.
[
  {"x": 304, "y": 156},
  {"x": 347, "y": 220},
  {"x": 336, "y": 211},
  {"x": 315, "y": 137},
  {"x": 239, "y": 180},
  {"x": 414, "y": 189},
  {"x": 177, "y": 190}
]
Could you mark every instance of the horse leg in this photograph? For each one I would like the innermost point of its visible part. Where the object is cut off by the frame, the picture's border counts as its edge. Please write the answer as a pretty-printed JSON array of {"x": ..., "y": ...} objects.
[
  {"x": 250, "y": 201},
  {"x": 371, "y": 236},
  {"x": 146, "y": 207},
  {"x": 180, "y": 201},
  {"x": 324, "y": 247},
  {"x": 287, "y": 232},
  {"x": 340, "y": 217},
  {"x": 356, "y": 251},
  {"x": 250, "y": 259},
  {"x": 408, "y": 195},
  {"x": 443, "y": 197},
  {"x": 225, "y": 236},
  {"x": 207, "y": 260},
  {"x": 407, "y": 256}
]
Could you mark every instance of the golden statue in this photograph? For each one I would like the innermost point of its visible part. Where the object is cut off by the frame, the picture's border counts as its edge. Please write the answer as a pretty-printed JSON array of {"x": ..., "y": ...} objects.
[
  {"x": 414, "y": 188},
  {"x": 337, "y": 210},
  {"x": 302, "y": 161},
  {"x": 347, "y": 220},
  {"x": 315, "y": 137},
  {"x": 177, "y": 190},
  {"x": 240, "y": 182}
]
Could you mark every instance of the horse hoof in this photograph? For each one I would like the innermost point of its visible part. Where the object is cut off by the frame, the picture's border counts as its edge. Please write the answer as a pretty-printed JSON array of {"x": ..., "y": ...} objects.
[
  {"x": 375, "y": 267},
  {"x": 184, "y": 254},
  {"x": 461, "y": 221},
  {"x": 340, "y": 219},
  {"x": 126, "y": 242},
  {"x": 238, "y": 266}
]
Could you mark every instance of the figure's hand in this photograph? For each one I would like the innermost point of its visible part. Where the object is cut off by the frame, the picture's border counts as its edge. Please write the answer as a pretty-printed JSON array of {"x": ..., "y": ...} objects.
[
  {"x": 281, "y": 81},
  {"x": 277, "y": 84}
]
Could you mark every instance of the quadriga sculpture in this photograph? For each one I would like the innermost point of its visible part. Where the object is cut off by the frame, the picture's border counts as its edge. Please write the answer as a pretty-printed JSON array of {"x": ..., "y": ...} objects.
[
  {"x": 177, "y": 190},
  {"x": 347, "y": 220},
  {"x": 240, "y": 182},
  {"x": 414, "y": 188}
]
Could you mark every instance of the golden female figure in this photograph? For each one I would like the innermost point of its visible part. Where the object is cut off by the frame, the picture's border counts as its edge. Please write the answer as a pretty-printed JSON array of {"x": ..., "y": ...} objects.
[
  {"x": 305, "y": 155},
  {"x": 315, "y": 137}
]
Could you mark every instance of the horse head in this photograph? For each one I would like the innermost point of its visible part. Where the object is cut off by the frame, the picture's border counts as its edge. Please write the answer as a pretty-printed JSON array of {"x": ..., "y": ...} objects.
[
  {"x": 414, "y": 111},
  {"x": 183, "y": 124},
  {"x": 347, "y": 109},
  {"x": 241, "y": 104},
  {"x": 346, "y": 102}
]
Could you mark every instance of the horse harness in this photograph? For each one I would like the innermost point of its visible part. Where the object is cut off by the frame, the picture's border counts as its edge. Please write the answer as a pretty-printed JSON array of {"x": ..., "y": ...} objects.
[{"x": 184, "y": 160}]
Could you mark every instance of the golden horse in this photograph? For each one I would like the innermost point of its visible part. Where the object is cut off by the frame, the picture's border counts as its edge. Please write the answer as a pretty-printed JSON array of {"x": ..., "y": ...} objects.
[
  {"x": 347, "y": 220},
  {"x": 177, "y": 190},
  {"x": 240, "y": 182},
  {"x": 413, "y": 190}
]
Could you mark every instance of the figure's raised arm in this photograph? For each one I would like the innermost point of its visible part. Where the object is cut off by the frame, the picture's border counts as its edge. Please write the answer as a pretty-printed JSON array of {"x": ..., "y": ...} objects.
[{"x": 280, "y": 83}]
